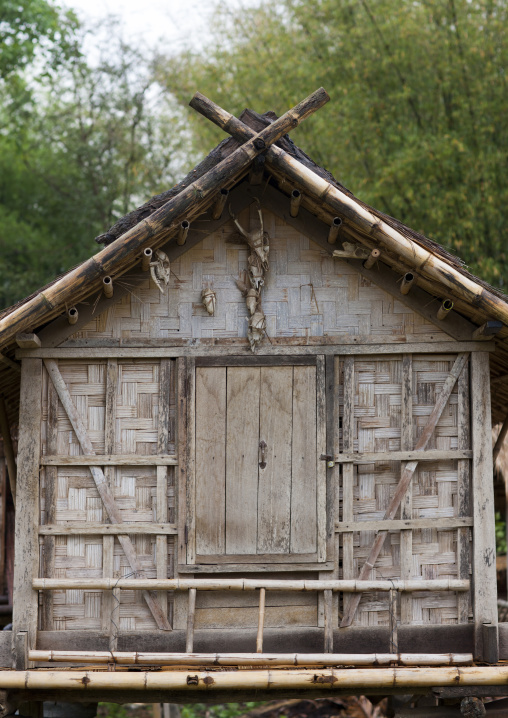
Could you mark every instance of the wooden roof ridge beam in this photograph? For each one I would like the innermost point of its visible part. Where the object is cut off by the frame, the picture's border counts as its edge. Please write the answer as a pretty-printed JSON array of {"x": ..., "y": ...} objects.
[
  {"x": 418, "y": 257},
  {"x": 118, "y": 256}
]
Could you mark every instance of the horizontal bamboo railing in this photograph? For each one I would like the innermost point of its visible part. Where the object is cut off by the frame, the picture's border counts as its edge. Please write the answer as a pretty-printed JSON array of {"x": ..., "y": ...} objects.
[
  {"x": 244, "y": 584},
  {"x": 251, "y": 659}
]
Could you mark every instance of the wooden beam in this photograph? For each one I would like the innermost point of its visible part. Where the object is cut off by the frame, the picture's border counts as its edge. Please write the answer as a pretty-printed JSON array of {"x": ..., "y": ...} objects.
[
  {"x": 5, "y": 430},
  {"x": 87, "y": 528},
  {"x": 442, "y": 524},
  {"x": 108, "y": 500},
  {"x": 484, "y": 542},
  {"x": 487, "y": 330},
  {"x": 372, "y": 457},
  {"x": 406, "y": 478},
  {"x": 26, "y": 559},
  {"x": 28, "y": 341},
  {"x": 110, "y": 460}
]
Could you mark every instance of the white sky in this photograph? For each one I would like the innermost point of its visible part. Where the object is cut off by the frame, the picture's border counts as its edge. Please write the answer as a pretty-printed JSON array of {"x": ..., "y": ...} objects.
[{"x": 176, "y": 22}]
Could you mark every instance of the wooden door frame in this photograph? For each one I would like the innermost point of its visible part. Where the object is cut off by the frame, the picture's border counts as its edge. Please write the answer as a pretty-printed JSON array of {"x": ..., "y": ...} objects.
[{"x": 187, "y": 480}]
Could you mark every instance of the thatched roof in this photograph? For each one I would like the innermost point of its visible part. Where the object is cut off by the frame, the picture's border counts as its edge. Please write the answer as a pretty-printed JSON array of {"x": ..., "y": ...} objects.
[{"x": 478, "y": 304}]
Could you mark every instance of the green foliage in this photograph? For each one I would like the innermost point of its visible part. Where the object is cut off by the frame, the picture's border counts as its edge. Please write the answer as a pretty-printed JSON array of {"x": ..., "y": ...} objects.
[
  {"x": 223, "y": 710},
  {"x": 500, "y": 535},
  {"x": 417, "y": 124}
]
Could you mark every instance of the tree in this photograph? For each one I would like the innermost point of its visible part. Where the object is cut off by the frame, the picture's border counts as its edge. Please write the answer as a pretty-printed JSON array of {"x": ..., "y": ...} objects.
[
  {"x": 417, "y": 124},
  {"x": 94, "y": 139}
]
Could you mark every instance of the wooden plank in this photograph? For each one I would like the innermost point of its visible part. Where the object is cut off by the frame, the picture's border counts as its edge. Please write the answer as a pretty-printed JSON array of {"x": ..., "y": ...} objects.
[
  {"x": 90, "y": 528},
  {"x": 254, "y": 558},
  {"x": 261, "y": 620},
  {"x": 190, "y": 462},
  {"x": 484, "y": 546},
  {"x": 463, "y": 492},
  {"x": 50, "y": 488},
  {"x": 108, "y": 500},
  {"x": 406, "y": 477},
  {"x": 329, "y": 623},
  {"x": 26, "y": 557},
  {"x": 275, "y": 349},
  {"x": 242, "y": 459},
  {"x": 372, "y": 457},
  {"x": 321, "y": 445},
  {"x": 210, "y": 430},
  {"x": 406, "y": 509},
  {"x": 304, "y": 500},
  {"x": 5, "y": 431},
  {"x": 161, "y": 542},
  {"x": 202, "y": 568},
  {"x": 163, "y": 430},
  {"x": 280, "y": 616},
  {"x": 400, "y": 524},
  {"x": 274, "y": 493},
  {"x": 110, "y": 609},
  {"x": 191, "y": 613},
  {"x": 184, "y": 488},
  {"x": 348, "y": 426},
  {"x": 256, "y": 360},
  {"x": 112, "y": 460}
]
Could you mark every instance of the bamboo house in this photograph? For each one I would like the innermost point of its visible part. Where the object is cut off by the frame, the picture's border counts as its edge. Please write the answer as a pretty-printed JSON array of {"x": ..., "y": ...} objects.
[{"x": 255, "y": 448}]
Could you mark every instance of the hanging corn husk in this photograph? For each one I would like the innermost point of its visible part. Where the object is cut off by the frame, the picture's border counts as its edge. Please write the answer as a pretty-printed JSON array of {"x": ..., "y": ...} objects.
[
  {"x": 160, "y": 270},
  {"x": 257, "y": 240},
  {"x": 257, "y": 327},
  {"x": 208, "y": 298},
  {"x": 252, "y": 300}
]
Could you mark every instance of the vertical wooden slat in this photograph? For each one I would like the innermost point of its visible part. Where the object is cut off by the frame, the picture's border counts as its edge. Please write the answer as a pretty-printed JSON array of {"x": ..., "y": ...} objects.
[
  {"x": 394, "y": 643},
  {"x": 463, "y": 492},
  {"x": 304, "y": 475},
  {"x": 5, "y": 431},
  {"x": 485, "y": 590},
  {"x": 26, "y": 562},
  {"x": 191, "y": 611},
  {"x": 261, "y": 620},
  {"x": 406, "y": 508},
  {"x": 274, "y": 496},
  {"x": 327, "y": 601},
  {"x": 161, "y": 544},
  {"x": 242, "y": 447},
  {"x": 50, "y": 482},
  {"x": 3, "y": 489},
  {"x": 183, "y": 459},
  {"x": 210, "y": 460},
  {"x": 323, "y": 529},
  {"x": 190, "y": 461},
  {"x": 348, "y": 424},
  {"x": 110, "y": 600},
  {"x": 163, "y": 431}
]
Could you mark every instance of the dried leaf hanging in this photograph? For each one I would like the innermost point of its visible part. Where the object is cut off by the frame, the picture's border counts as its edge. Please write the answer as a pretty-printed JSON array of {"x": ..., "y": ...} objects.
[{"x": 160, "y": 270}]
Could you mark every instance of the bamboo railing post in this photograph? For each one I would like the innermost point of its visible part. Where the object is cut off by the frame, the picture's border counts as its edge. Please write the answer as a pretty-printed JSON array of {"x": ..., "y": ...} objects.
[
  {"x": 327, "y": 601},
  {"x": 394, "y": 643},
  {"x": 261, "y": 620},
  {"x": 5, "y": 430},
  {"x": 191, "y": 611}
]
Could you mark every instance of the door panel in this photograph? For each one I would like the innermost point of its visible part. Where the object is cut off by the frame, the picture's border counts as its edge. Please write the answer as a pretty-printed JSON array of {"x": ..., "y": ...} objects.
[{"x": 254, "y": 506}]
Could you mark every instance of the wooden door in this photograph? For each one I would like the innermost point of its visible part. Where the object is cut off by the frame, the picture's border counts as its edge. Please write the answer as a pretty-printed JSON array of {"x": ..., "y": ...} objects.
[{"x": 260, "y": 494}]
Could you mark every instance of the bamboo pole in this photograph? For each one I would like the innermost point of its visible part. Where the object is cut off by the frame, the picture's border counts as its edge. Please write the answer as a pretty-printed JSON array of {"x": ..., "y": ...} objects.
[
  {"x": 360, "y": 217},
  {"x": 72, "y": 315},
  {"x": 334, "y": 230},
  {"x": 267, "y": 679},
  {"x": 250, "y": 659},
  {"x": 372, "y": 259},
  {"x": 191, "y": 612},
  {"x": 5, "y": 430},
  {"x": 244, "y": 584},
  {"x": 146, "y": 258},
  {"x": 122, "y": 253},
  {"x": 296, "y": 198},
  {"x": 408, "y": 280},
  {"x": 261, "y": 620},
  {"x": 107, "y": 287},
  {"x": 444, "y": 309},
  {"x": 183, "y": 232},
  {"x": 220, "y": 203}
]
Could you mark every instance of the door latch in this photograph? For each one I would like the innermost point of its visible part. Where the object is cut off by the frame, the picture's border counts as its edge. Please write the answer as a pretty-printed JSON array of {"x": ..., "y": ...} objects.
[
  {"x": 330, "y": 460},
  {"x": 262, "y": 454}
]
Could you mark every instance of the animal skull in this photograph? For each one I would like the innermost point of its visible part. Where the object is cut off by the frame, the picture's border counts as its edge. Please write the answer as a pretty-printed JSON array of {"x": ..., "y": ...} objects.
[
  {"x": 208, "y": 298},
  {"x": 160, "y": 270}
]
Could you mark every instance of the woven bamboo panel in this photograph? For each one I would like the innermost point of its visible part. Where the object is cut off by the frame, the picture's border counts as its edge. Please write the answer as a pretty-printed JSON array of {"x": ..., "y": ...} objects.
[
  {"x": 377, "y": 427},
  {"x": 306, "y": 293},
  {"x": 75, "y": 496}
]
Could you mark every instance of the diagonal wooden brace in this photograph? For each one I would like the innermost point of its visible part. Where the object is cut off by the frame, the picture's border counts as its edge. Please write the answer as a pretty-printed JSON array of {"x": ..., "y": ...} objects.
[
  {"x": 108, "y": 500},
  {"x": 405, "y": 480}
]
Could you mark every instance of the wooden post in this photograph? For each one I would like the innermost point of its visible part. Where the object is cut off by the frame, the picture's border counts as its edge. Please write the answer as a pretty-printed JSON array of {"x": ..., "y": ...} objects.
[
  {"x": 394, "y": 643},
  {"x": 50, "y": 497},
  {"x": 5, "y": 430},
  {"x": 406, "y": 509},
  {"x": 500, "y": 439},
  {"x": 261, "y": 620},
  {"x": 191, "y": 610},
  {"x": 327, "y": 600},
  {"x": 484, "y": 547},
  {"x": 348, "y": 423},
  {"x": 463, "y": 491},
  {"x": 26, "y": 560},
  {"x": 110, "y": 613},
  {"x": 490, "y": 643}
]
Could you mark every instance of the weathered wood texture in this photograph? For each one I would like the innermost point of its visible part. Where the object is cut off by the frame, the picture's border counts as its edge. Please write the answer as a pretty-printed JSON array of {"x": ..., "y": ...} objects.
[
  {"x": 131, "y": 392},
  {"x": 306, "y": 293}
]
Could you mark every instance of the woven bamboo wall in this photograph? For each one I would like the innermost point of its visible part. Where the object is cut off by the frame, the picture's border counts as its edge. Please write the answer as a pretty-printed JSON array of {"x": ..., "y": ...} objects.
[
  {"x": 306, "y": 294},
  {"x": 75, "y": 498},
  {"x": 434, "y": 494}
]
